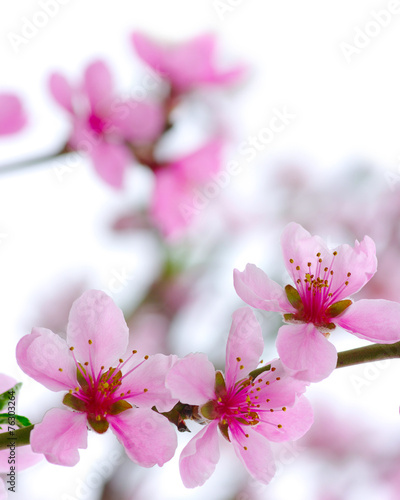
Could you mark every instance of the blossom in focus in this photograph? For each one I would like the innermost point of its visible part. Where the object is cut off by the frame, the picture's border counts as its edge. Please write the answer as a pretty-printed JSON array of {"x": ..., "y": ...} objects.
[
  {"x": 185, "y": 65},
  {"x": 12, "y": 115},
  {"x": 24, "y": 456},
  {"x": 104, "y": 390},
  {"x": 105, "y": 126},
  {"x": 177, "y": 197},
  {"x": 249, "y": 406},
  {"x": 323, "y": 280}
]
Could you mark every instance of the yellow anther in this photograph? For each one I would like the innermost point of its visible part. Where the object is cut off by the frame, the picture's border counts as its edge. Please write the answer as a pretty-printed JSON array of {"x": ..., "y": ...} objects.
[
  {"x": 284, "y": 408},
  {"x": 121, "y": 360},
  {"x": 335, "y": 252},
  {"x": 134, "y": 351},
  {"x": 146, "y": 357},
  {"x": 279, "y": 426},
  {"x": 71, "y": 348},
  {"x": 291, "y": 261},
  {"x": 90, "y": 343},
  {"x": 238, "y": 359},
  {"x": 60, "y": 369},
  {"x": 241, "y": 367},
  {"x": 245, "y": 448},
  {"x": 145, "y": 390}
]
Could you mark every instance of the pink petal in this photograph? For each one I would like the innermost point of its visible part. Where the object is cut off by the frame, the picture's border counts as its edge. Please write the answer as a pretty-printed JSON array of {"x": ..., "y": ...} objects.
[
  {"x": 95, "y": 317},
  {"x": 199, "y": 165},
  {"x": 304, "y": 350},
  {"x": 59, "y": 436},
  {"x": 139, "y": 122},
  {"x": 147, "y": 383},
  {"x": 98, "y": 84},
  {"x": 12, "y": 115},
  {"x": 244, "y": 347},
  {"x": 257, "y": 458},
  {"x": 299, "y": 245},
  {"x": 200, "y": 456},
  {"x": 192, "y": 379},
  {"x": 295, "y": 421},
  {"x": 3, "y": 490},
  {"x": 282, "y": 388},
  {"x": 256, "y": 289},
  {"x": 61, "y": 91},
  {"x": 147, "y": 436},
  {"x": 41, "y": 354},
  {"x": 6, "y": 383},
  {"x": 110, "y": 161},
  {"x": 374, "y": 320},
  {"x": 150, "y": 52},
  {"x": 360, "y": 261}
]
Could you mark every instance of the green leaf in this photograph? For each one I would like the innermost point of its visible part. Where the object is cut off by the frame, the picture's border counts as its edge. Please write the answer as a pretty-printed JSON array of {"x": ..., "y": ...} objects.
[
  {"x": 338, "y": 307},
  {"x": 10, "y": 395},
  {"x": 293, "y": 297},
  {"x": 19, "y": 420}
]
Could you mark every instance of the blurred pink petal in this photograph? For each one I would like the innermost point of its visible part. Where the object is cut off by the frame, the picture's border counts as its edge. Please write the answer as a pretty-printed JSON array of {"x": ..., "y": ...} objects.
[
  {"x": 12, "y": 115},
  {"x": 185, "y": 65}
]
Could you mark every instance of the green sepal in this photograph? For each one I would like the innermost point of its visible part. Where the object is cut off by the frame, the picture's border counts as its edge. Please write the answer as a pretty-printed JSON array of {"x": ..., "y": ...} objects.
[
  {"x": 119, "y": 407},
  {"x": 255, "y": 373},
  {"x": 208, "y": 410},
  {"x": 293, "y": 297},
  {"x": 19, "y": 420},
  {"x": 99, "y": 426},
  {"x": 9, "y": 395},
  {"x": 74, "y": 402},
  {"x": 338, "y": 307},
  {"x": 220, "y": 387},
  {"x": 81, "y": 379},
  {"x": 224, "y": 430}
]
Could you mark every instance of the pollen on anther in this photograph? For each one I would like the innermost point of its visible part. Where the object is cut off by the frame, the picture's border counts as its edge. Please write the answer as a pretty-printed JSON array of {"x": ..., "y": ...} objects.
[
  {"x": 145, "y": 390},
  {"x": 146, "y": 357},
  {"x": 335, "y": 252},
  {"x": 98, "y": 418},
  {"x": 325, "y": 269},
  {"x": 319, "y": 254},
  {"x": 267, "y": 382},
  {"x": 102, "y": 367},
  {"x": 134, "y": 351},
  {"x": 279, "y": 426},
  {"x": 241, "y": 367},
  {"x": 245, "y": 448},
  {"x": 268, "y": 400},
  {"x": 71, "y": 348},
  {"x": 121, "y": 360},
  {"x": 291, "y": 261},
  {"x": 271, "y": 410},
  {"x": 238, "y": 359},
  {"x": 278, "y": 378},
  {"x": 297, "y": 268},
  {"x": 284, "y": 408},
  {"x": 60, "y": 369},
  {"x": 331, "y": 273},
  {"x": 258, "y": 389},
  {"x": 86, "y": 363},
  {"x": 308, "y": 264},
  {"x": 90, "y": 342},
  {"x": 346, "y": 283},
  {"x": 273, "y": 369},
  {"x": 348, "y": 275},
  {"x": 122, "y": 394},
  {"x": 247, "y": 435},
  {"x": 76, "y": 389},
  {"x": 70, "y": 391}
]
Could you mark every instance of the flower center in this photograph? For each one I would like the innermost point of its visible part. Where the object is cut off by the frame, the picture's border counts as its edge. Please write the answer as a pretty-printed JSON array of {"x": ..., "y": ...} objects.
[
  {"x": 317, "y": 292},
  {"x": 96, "y": 123},
  {"x": 98, "y": 395}
]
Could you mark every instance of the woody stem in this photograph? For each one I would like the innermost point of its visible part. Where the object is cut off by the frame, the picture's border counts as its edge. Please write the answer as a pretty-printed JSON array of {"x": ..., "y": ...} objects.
[{"x": 367, "y": 354}]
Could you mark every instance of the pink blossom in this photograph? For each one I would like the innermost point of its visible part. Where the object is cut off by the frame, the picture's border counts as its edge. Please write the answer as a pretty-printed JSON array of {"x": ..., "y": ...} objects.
[
  {"x": 12, "y": 115},
  {"x": 323, "y": 279},
  {"x": 185, "y": 65},
  {"x": 249, "y": 409},
  {"x": 104, "y": 126},
  {"x": 177, "y": 195},
  {"x": 104, "y": 390}
]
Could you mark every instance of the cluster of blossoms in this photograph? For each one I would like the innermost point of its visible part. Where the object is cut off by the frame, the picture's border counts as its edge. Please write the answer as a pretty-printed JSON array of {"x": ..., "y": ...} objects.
[
  {"x": 116, "y": 131},
  {"x": 251, "y": 404}
]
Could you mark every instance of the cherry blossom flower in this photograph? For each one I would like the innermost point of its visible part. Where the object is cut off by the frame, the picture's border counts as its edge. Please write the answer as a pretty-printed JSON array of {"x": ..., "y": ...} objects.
[
  {"x": 323, "y": 279},
  {"x": 177, "y": 197},
  {"x": 104, "y": 390},
  {"x": 24, "y": 456},
  {"x": 12, "y": 115},
  {"x": 105, "y": 126},
  {"x": 185, "y": 65},
  {"x": 249, "y": 406}
]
